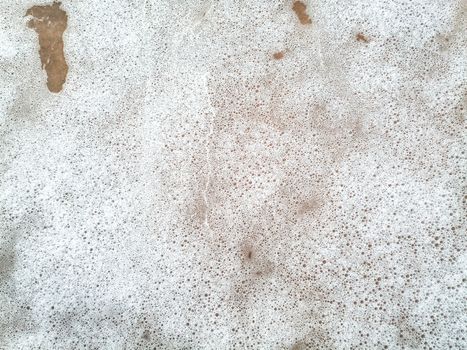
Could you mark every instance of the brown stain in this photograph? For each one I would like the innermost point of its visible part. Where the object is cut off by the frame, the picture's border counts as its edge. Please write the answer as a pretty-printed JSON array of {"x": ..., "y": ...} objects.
[
  {"x": 278, "y": 55},
  {"x": 362, "y": 38},
  {"x": 253, "y": 261},
  {"x": 247, "y": 251},
  {"x": 50, "y": 21},
  {"x": 300, "y": 10},
  {"x": 309, "y": 206}
]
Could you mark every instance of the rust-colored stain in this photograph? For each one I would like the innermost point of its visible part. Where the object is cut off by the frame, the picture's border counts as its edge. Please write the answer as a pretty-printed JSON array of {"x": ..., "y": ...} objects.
[
  {"x": 300, "y": 10},
  {"x": 361, "y": 37},
  {"x": 50, "y": 21},
  {"x": 278, "y": 55}
]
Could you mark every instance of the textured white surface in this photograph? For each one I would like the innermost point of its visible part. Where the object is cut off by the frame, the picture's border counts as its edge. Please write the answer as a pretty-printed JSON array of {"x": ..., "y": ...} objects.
[{"x": 186, "y": 190}]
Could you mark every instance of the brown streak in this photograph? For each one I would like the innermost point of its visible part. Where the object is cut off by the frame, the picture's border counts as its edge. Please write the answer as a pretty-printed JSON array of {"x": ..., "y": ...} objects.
[{"x": 361, "y": 37}]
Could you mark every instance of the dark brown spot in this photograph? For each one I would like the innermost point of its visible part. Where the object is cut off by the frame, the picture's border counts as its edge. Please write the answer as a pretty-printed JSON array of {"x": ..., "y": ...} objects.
[
  {"x": 247, "y": 251},
  {"x": 278, "y": 55},
  {"x": 50, "y": 21},
  {"x": 300, "y": 10},
  {"x": 362, "y": 38}
]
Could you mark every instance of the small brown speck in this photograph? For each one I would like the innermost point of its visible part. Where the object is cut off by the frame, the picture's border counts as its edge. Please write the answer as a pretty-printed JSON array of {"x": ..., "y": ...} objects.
[
  {"x": 362, "y": 38},
  {"x": 300, "y": 10}
]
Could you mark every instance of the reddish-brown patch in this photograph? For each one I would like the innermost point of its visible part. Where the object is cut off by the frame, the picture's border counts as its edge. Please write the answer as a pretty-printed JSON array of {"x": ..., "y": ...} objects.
[
  {"x": 278, "y": 55},
  {"x": 362, "y": 38},
  {"x": 300, "y": 10},
  {"x": 50, "y": 21}
]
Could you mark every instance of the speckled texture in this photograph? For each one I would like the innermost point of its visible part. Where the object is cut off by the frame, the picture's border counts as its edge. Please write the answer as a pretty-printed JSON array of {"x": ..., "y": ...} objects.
[{"x": 225, "y": 174}]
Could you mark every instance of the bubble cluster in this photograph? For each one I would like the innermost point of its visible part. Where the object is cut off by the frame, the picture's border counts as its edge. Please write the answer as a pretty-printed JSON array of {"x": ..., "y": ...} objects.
[{"x": 236, "y": 175}]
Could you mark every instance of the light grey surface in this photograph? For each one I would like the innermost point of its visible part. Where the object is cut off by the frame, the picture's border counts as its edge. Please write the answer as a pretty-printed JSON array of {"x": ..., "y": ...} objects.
[{"x": 185, "y": 190}]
